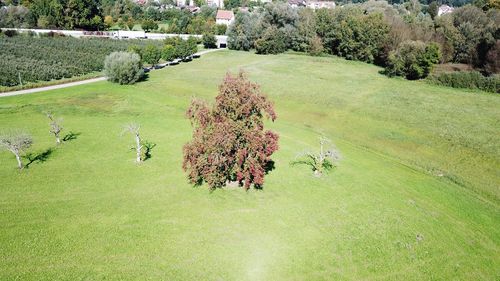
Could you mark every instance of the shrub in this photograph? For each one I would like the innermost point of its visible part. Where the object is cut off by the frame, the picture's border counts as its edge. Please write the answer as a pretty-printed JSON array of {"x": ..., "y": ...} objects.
[
  {"x": 220, "y": 29},
  {"x": 151, "y": 54},
  {"x": 240, "y": 32},
  {"x": 168, "y": 53},
  {"x": 467, "y": 79},
  {"x": 315, "y": 47},
  {"x": 350, "y": 33},
  {"x": 123, "y": 67},
  {"x": 229, "y": 142},
  {"x": 148, "y": 25},
  {"x": 10, "y": 32},
  {"x": 413, "y": 59},
  {"x": 192, "y": 45},
  {"x": 135, "y": 49},
  {"x": 272, "y": 42},
  {"x": 209, "y": 41}
]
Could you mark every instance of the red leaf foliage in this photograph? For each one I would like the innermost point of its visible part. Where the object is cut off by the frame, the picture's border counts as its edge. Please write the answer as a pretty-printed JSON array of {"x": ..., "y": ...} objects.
[{"x": 229, "y": 142}]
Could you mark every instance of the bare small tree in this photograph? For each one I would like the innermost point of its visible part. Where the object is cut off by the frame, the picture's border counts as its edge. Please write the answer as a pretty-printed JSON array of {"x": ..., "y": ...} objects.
[
  {"x": 134, "y": 128},
  {"x": 16, "y": 142},
  {"x": 325, "y": 160},
  {"x": 55, "y": 126}
]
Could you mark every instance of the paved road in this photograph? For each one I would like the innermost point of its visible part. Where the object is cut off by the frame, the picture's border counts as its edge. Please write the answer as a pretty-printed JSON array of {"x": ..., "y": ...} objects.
[{"x": 70, "y": 84}]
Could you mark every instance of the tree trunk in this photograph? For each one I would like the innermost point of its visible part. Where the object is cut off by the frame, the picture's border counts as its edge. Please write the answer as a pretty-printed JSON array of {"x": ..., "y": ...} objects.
[
  {"x": 139, "y": 147},
  {"x": 19, "y": 163},
  {"x": 58, "y": 140}
]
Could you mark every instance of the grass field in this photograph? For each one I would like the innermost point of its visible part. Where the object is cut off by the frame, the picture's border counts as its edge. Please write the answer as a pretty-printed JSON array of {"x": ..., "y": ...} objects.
[{"x": 415, "y": 197}]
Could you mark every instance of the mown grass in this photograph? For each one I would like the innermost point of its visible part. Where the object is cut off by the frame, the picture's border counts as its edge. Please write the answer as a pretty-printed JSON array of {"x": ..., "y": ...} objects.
[{"x": 415, "y": 196}]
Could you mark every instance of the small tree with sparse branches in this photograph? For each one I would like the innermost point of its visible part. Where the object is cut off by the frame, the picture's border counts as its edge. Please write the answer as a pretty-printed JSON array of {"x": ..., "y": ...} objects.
[
  {"x": 320, "y": 162},
  {"x": 55, "y": 126},
  {"x": 16, "y": 142},
  {"x": 134, "y": 128}
]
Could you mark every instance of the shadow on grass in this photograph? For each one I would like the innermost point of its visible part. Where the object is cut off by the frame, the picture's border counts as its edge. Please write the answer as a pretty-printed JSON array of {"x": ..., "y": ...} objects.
[
  {"x": 144, "y": 77},
  {"x": 71, "y": 136},
  {"x": 38, "y": 157},
  {"x": 148, "y": 148}
]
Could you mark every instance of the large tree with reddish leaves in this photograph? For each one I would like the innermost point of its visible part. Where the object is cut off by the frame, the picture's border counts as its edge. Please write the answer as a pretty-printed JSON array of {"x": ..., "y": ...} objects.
[{"x": 229, "y": 142}]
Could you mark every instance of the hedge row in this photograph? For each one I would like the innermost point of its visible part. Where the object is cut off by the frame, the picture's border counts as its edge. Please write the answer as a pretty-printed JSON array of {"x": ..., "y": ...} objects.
[{"x": 467, "y": 79}]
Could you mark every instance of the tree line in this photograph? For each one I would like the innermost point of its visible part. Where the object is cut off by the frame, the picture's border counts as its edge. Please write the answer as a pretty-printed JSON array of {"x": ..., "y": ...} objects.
[
  {"x": 406, "y": 39},
  {"x": 108, "y": 14}
]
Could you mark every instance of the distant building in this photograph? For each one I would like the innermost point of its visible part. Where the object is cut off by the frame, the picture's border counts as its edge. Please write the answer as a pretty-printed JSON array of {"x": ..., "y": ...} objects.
[
  {"x": 193, "y": 9},
  {"x": 445, "y": 9},
  {"x": 224, "y": 17},
  {"x": 217, "y": 3},
  {"x": 314, "y": 4}
]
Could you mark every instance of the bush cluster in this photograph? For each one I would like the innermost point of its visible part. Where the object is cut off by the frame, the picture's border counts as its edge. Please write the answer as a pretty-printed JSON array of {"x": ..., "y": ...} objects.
[
  {"x": 209, "y": 41},
  {"x": 413, "y": 60},
  {"x": 467, "y": 79},
  {"x": 123, "y": 67}
]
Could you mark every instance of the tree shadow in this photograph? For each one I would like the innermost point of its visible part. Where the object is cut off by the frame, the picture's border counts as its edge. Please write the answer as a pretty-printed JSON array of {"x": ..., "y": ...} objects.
[
  {"x": 144, "y": 77},
  {"x": 38, "y": 157},
  {"x": 148, "y": 148},
  {"x": 71, "y": 136},
  {"x": 270, "y": 165}
]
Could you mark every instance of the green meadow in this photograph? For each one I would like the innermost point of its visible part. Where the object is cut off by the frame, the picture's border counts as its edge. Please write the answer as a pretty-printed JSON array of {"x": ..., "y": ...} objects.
[{"x": 416, "y": 195}]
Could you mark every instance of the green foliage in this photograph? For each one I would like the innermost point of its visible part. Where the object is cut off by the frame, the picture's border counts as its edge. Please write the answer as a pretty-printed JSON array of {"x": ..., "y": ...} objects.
[
  {"x": 433, "y": 9},
  {"x": 168, "y": 53},
  {"x": 135, "y": 49},
  {"x": 35, "y": 59},
  {"x": 272, "y": 42},
  {"x": 413, "y": 60},
  {"x": 209, "y": 41},
  {"x": 352, "y": 34},
  {"x": 231, "y": 4},
  {"x": 220, "y": 29},
  {"x": 123, "y": 67},
  {"x": 149, "y": 25},
  {"x": 241, "y": 32},
  {"x": 72, "y": 14},
  {"x": 468, "y": 80},
  {"x": 192, "y": 45},
  {"x": 315, "y": 46},
  {"x": 151, "y": 54},
  {"x": 14, "y": 16}
]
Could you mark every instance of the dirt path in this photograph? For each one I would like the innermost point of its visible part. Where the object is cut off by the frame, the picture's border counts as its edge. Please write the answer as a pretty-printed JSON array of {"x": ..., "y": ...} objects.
[{"x": 71, "y": 84}]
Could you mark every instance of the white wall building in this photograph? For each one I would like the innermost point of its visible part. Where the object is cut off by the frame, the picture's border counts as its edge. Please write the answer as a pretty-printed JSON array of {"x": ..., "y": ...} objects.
[
  {"x": 445, "y": 9},
  {"x": 224, "y": 17},
  {"x": 320, "y": 4}
]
